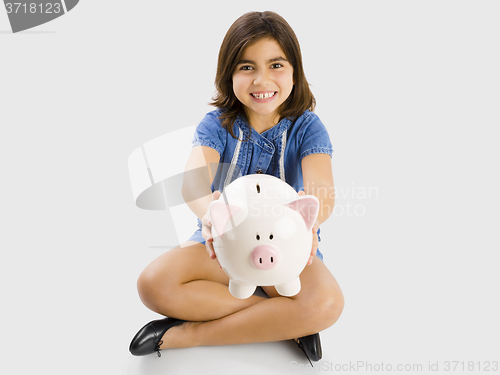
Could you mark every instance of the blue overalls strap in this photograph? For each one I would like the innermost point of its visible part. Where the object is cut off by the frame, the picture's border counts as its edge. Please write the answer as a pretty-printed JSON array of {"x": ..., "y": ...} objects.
[
  {"x": 282, "y": 156},
  {"x": 234, "y": 160}
]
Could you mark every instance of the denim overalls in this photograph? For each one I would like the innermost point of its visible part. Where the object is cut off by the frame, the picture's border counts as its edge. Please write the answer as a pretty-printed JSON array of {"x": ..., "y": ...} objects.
[{"x": 277, "y": 151}]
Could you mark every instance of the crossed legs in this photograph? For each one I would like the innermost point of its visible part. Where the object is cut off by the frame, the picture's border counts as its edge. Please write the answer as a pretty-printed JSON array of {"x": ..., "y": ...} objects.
[{"x": 185, "y": 283}]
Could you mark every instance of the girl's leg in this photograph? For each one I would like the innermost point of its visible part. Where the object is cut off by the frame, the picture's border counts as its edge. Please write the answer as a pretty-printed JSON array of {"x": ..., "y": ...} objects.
[
  {"x": 185, "y": 283},
  {"x": 200, "y": 294}
]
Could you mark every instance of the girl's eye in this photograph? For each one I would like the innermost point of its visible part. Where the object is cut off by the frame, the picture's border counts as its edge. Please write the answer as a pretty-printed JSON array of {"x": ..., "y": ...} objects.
[
  {"x": 277, "y": 65},
  {"x": 246, "y": 67}
]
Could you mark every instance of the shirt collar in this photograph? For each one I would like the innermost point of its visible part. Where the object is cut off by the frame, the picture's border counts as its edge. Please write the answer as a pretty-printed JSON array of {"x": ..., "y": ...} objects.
[{"x": 269, "y": 135}]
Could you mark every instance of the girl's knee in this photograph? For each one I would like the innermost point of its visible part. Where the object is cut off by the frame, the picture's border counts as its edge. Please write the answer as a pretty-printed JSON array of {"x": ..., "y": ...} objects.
[
  {"x": 332, "y": 306},
  {"x": 155, "y": 284},
  {"x": 322, "y": 308},
  {"x": 159, "y": 283},
  {"x": 147, "y": 285}
]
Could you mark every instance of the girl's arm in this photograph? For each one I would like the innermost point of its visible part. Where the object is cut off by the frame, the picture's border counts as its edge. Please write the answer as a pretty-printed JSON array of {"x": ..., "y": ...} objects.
[
  {"x": 318, "y": 181},
  {"x": 198, "y": 176},
  {"x": 196, "y": 188}
]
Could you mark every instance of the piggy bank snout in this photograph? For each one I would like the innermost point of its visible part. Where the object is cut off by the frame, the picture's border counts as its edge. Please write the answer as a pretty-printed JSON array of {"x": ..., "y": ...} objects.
[{"x": 265, "y": 257}]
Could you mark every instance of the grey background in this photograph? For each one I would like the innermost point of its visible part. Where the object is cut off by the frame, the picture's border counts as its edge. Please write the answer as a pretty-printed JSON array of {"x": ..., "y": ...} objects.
[{"x": 409, "y": 93}]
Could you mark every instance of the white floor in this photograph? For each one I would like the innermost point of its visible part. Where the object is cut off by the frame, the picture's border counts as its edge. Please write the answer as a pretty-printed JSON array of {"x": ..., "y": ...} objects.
[
  {"x": 409, "y": 94},
  {"x": 263, "y": 358}
]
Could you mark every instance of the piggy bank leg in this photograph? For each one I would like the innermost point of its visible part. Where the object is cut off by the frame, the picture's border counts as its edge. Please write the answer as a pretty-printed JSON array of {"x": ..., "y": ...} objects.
[
  {"x": 290, "y": 288},
  {"x": 240, "y": 289}
]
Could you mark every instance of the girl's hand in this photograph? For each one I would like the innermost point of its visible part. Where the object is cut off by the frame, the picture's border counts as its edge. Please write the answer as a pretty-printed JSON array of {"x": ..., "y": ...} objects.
[
  {"x": 206, "y": 230},
  {"x": 315, "y": 237},
  {"x": 315, "y": 242}
]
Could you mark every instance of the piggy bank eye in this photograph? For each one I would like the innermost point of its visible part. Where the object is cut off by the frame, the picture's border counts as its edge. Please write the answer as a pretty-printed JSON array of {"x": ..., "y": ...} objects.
[
  {"x": 258, "y": 237},
  {"x": 258, "y": 188},
  {"x": 271, "y": 237}
]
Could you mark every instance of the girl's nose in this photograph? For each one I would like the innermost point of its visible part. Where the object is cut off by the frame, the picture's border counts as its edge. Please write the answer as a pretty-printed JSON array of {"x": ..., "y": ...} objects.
[{"x": 261, "y": 78}]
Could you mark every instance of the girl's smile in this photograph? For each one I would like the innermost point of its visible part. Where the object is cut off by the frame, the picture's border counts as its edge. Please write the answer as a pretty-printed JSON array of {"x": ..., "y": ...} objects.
[
  {"x": 264, "y": 96},
  {"x": 262, "y": 81}
]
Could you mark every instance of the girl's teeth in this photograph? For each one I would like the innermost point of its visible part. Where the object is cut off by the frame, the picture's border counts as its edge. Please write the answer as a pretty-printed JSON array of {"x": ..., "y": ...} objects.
[{"x": 263, "y": 96}]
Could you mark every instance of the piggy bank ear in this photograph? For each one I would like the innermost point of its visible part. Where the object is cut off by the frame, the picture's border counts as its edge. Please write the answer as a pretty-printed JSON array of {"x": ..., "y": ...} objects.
[
  {"x": 308, "y": 207},
  {"x": 220, "y": 214}
]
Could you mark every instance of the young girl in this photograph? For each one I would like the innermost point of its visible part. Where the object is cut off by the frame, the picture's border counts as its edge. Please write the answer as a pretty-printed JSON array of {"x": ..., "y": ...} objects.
[{"x": 264, "y": 124}]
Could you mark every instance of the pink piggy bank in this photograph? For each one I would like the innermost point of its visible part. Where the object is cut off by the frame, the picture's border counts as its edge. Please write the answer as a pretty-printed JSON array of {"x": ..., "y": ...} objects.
[{"x": 262, "y": 231}]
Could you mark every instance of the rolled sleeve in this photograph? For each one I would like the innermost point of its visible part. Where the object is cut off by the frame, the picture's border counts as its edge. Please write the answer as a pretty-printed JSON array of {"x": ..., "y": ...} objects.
[
  {"x": 210, "y": 133},
  {"x": 315, "y": 138}
]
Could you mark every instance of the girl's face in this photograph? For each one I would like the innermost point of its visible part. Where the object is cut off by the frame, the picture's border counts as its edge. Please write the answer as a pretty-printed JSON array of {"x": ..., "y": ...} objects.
[{"x": 262, "y": 81}]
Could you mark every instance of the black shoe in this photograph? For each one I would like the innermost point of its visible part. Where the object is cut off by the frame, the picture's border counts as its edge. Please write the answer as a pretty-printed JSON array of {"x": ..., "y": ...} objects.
[
  {"x": 311, "y": 346},
  {"x": 148, "y": 339}
]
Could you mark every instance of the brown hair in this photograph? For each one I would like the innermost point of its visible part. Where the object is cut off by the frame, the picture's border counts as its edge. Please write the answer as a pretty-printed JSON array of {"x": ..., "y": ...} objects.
[{"x": 244, "y": 31}]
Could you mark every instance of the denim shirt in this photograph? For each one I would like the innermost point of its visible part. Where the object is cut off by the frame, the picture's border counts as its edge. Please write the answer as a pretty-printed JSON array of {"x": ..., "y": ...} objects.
[{"x": 278, "y": 151}]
